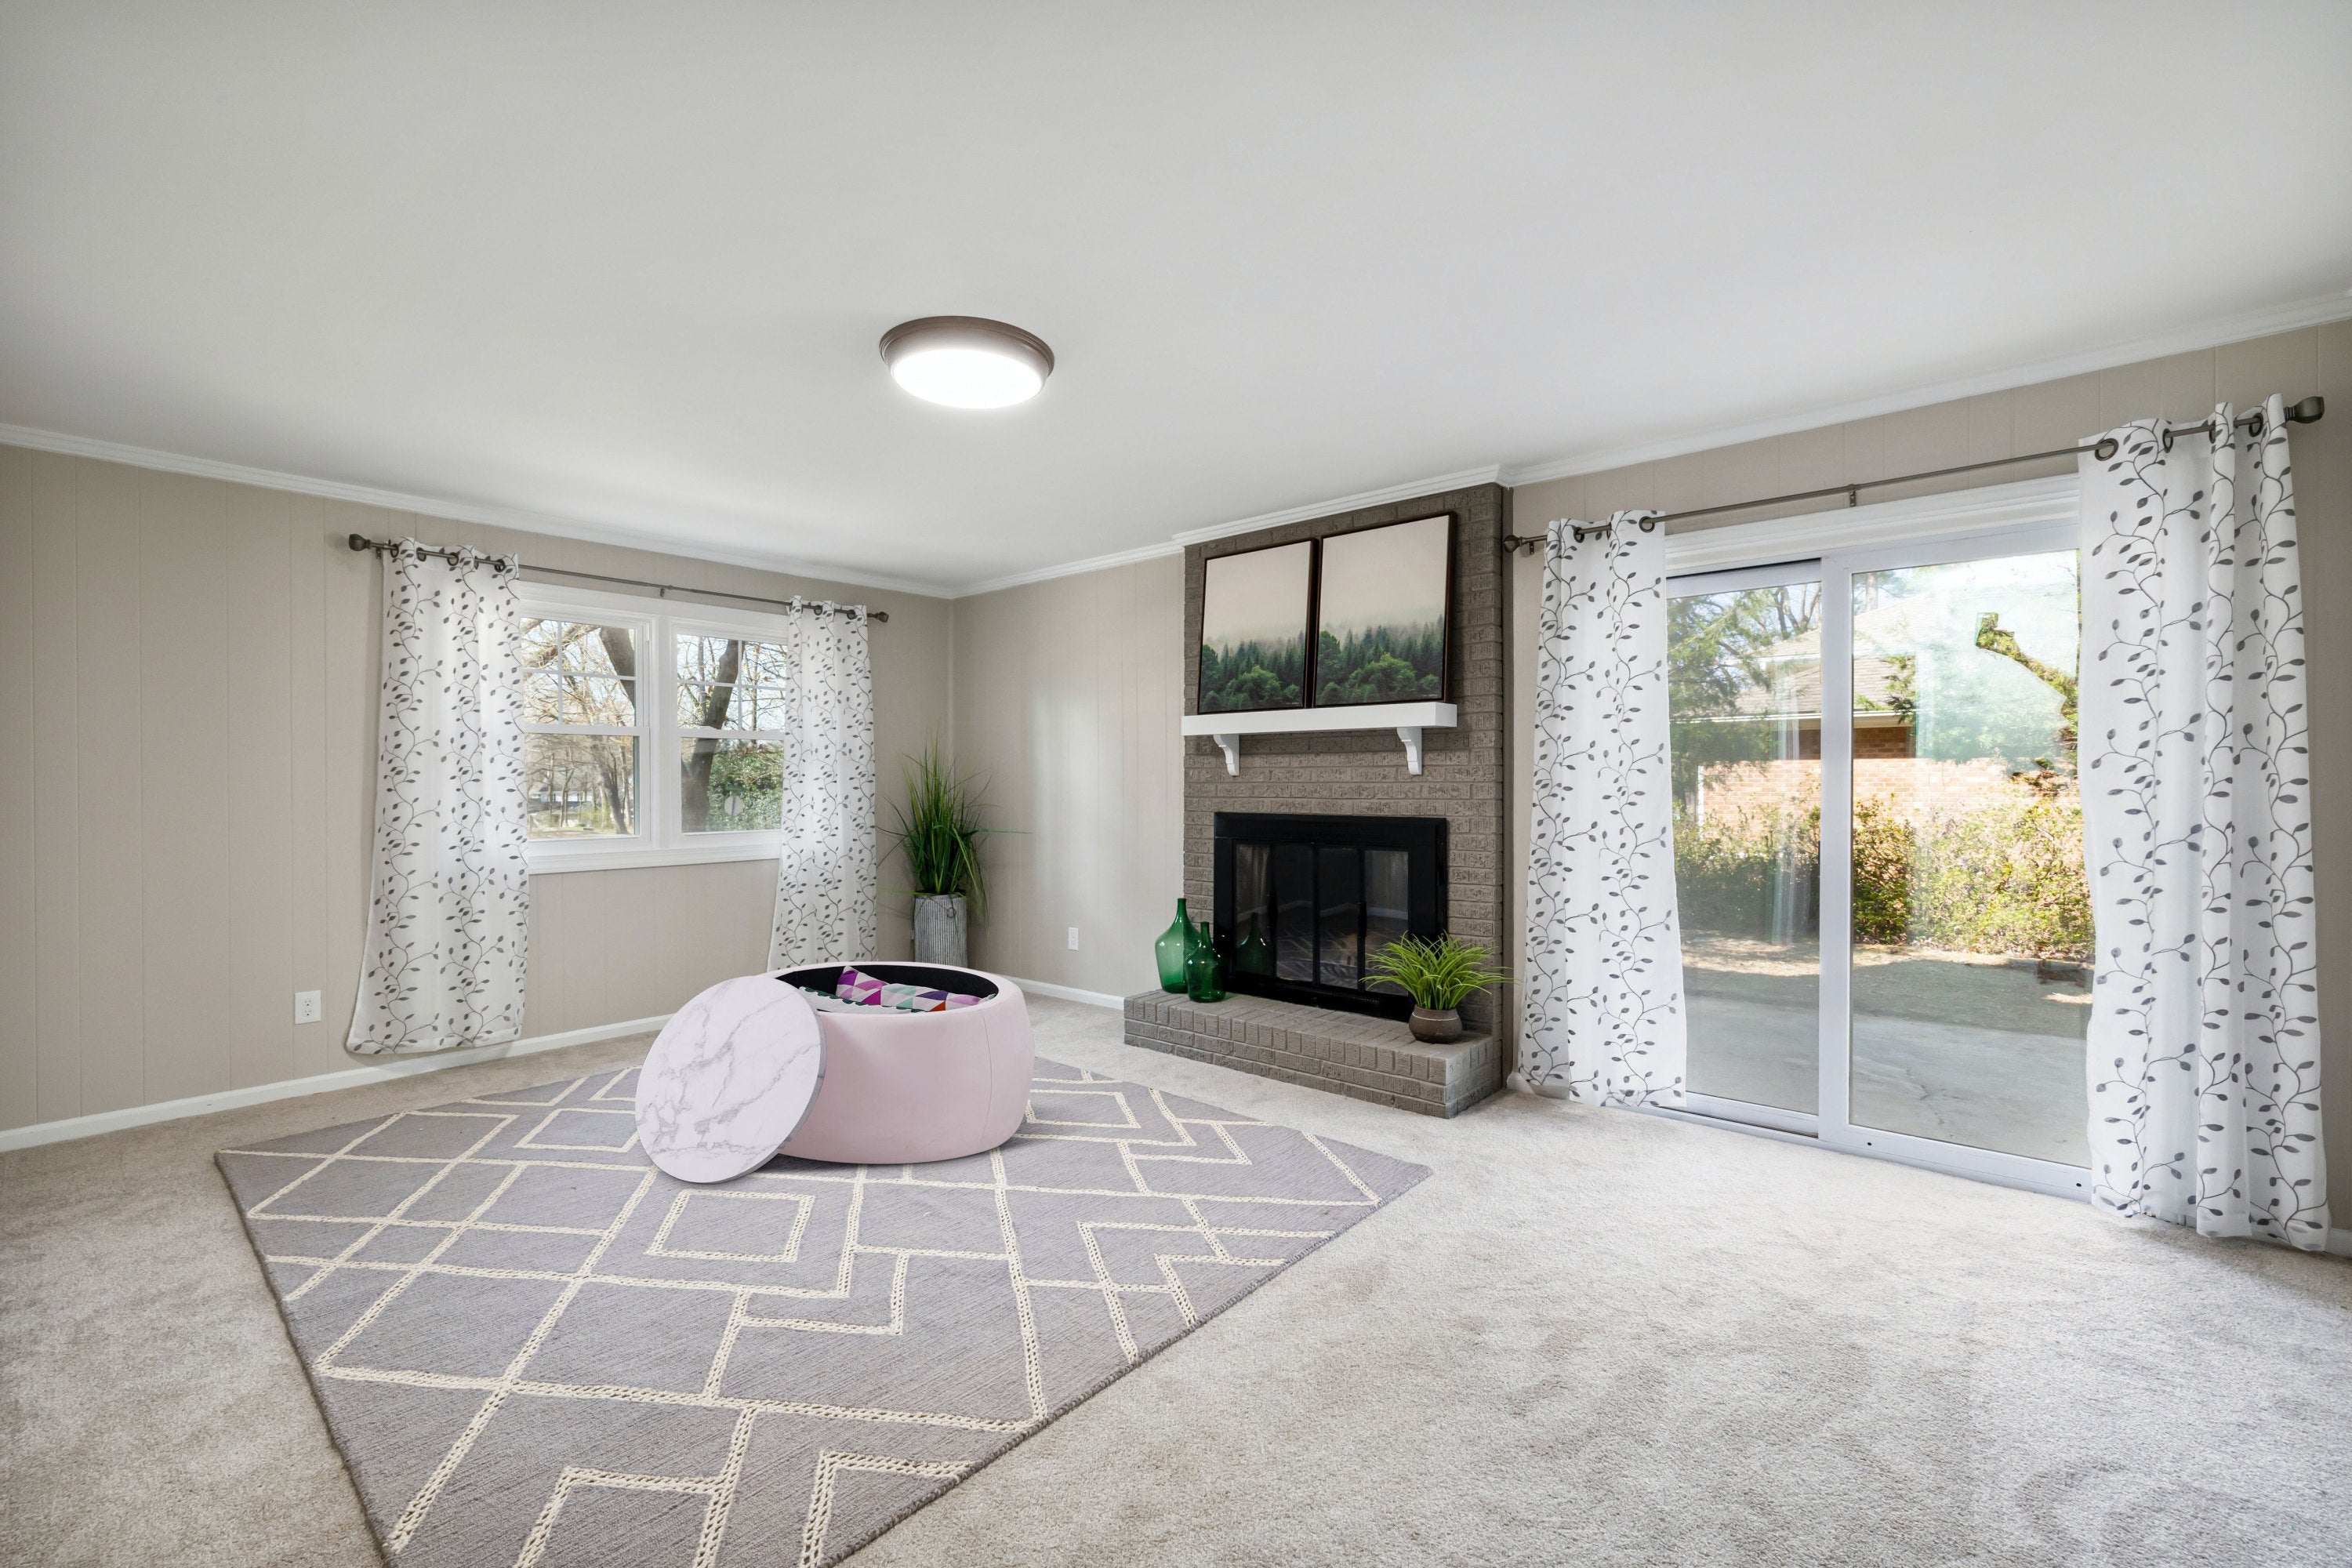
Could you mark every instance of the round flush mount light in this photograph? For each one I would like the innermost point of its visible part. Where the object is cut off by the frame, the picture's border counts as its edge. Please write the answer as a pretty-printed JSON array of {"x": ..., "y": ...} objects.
[{"x": 965, "y": 362}]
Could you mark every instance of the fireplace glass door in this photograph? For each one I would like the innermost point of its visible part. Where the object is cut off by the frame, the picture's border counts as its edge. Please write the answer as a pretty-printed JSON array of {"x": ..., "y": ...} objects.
[{"x": 1303, "y": 903}]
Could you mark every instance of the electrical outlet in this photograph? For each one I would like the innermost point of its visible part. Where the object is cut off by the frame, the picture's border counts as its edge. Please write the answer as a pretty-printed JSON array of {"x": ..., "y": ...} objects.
[
  {"x": 305, "y": 1006},
  {"x": 1073, "y": 938}
]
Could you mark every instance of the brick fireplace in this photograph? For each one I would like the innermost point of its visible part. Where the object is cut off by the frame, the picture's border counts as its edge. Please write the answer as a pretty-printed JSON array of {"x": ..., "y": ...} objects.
[{"x": 1359, "y": 773}]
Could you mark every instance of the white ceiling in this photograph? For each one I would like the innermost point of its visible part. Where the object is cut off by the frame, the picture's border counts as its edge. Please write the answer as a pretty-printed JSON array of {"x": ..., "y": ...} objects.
[{"x": 626, "y": 266}]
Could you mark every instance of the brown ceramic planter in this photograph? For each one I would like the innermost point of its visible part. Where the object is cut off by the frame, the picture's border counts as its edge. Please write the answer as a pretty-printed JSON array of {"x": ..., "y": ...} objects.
[{"x": 1436, "y": 1027}]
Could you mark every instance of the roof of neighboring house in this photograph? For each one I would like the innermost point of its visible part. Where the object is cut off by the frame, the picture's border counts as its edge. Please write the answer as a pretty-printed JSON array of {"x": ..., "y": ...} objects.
[{"x": 1795, "y": 664}]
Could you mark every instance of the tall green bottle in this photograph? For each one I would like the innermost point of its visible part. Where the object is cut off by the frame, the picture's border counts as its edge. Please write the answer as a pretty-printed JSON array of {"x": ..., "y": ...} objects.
[
  {"x": 1175, "y": 945},
  {"x": 1205, "y": 968}
]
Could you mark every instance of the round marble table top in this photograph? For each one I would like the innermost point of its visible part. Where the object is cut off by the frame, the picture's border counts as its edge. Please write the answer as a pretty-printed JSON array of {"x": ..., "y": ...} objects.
[{"x": 729, "y": 1079}]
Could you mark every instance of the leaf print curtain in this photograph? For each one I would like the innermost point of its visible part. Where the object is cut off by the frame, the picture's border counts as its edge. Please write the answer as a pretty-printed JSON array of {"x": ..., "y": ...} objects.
[
  {"x": 825, "y": 897},
  {"x": 2204, "y": 1033},
  {"x": 1603, "y": 1016},
  {"x": 448, "y": 918}
]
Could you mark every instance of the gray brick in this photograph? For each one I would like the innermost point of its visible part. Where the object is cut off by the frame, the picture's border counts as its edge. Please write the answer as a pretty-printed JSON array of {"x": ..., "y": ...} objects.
[{"x": 1372, "y": 1060}]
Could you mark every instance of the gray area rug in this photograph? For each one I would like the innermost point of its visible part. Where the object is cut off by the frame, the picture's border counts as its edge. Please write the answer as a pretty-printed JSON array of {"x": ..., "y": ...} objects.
[{"x": 534, "y": 1349}]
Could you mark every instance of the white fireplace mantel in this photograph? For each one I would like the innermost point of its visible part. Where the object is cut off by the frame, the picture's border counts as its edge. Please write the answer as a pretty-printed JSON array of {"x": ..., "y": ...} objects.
[{"x": 1407, "y": 718}]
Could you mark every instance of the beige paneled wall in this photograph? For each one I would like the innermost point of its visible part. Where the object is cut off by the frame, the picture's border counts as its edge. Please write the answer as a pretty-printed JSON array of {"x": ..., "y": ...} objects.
[
  {"x": 187, "y": 774},
  {"x": 612, "y": 946},
  {"x": 1067, "y": 696},
  {"x": 2033, "y": 419}
]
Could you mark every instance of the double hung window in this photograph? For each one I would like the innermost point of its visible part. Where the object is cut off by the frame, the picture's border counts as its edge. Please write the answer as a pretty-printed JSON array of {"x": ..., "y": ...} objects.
[
  {"x": 583, "y": 728},
  {"x": 650, "y": 738},
  {"x": 731, "y": 692}
]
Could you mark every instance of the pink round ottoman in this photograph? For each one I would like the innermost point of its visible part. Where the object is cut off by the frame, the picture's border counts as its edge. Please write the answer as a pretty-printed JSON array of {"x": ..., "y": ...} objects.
[{"x": 903, "y": 1088}]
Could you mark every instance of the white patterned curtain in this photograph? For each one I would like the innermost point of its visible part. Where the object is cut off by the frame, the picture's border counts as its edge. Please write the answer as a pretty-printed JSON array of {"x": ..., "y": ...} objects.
[
  {"x": 826, "y": 896},
  {"x": 449, "y": 916},
  {"x": 1603, "y": 993},
  {"x": 2204, "y": 1033}
]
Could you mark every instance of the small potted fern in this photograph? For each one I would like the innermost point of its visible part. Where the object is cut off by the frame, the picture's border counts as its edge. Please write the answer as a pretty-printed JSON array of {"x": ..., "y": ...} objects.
[
  {"x": 938, "y": 833},
  {"x": 1438, "y": 975}
]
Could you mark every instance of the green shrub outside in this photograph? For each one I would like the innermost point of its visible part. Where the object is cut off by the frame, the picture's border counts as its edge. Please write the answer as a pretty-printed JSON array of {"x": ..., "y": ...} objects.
[
  {"x": 2005, "y": 878},
  {"x": 1729, "y": 868}
]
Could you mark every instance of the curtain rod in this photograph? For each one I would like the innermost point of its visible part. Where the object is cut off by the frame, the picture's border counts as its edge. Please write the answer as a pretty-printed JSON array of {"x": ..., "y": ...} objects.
[
  {"x": 450, "y": 552},
  {"x": 2307, "y": 412}
]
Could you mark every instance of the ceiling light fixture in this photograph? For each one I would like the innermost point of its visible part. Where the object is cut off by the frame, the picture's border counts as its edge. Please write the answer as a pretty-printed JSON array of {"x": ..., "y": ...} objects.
[{"x": 965, "y": 362}]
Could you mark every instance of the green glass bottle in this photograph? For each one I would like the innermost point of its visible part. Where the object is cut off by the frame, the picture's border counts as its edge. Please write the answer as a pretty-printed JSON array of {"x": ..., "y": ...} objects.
[
  {"x": 1174, "y": 945},
  {"x": 1205, "y": 971}
]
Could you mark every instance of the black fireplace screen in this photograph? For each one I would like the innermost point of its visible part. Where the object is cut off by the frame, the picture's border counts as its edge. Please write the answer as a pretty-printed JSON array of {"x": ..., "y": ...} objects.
[{"x": 1302, "y": 901}]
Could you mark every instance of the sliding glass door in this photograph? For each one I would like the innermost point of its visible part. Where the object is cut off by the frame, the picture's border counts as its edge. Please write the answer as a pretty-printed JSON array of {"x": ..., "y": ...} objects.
[
  {"x": 1744, "y": 700},
  {"x": 1878, "y": 851},
  {"x": 1968, "y": 987}
]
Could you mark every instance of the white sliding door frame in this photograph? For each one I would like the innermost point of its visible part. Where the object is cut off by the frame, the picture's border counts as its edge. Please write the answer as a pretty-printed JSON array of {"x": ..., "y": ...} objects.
[
  {"x": 2032, "y": 517},
  {"x": 1837, "y": 1128},
  {"x": 1733, "y": 580}
]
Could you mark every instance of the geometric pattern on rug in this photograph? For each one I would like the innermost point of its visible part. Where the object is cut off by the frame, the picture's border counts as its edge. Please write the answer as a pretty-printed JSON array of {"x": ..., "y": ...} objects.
[{"x": 534, "y": 1349}]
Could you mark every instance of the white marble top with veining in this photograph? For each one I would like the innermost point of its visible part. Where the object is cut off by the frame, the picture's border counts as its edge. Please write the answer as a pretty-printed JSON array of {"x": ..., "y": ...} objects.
[{"x": 729, "y": 1079}]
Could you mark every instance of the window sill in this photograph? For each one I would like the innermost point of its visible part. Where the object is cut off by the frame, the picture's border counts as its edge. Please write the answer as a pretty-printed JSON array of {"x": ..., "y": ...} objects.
[{"x": 553, "y": 858}]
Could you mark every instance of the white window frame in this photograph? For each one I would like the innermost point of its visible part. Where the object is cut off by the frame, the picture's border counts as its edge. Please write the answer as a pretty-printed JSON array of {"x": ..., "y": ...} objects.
[
  {"x": 1992, "y": 521},
  {"x": 659, "y": 839}
]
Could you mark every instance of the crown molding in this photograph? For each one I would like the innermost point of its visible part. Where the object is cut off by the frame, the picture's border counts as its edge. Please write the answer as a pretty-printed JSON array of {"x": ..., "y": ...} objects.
[
  {"x": 1175, "y": 543},
  {"x": 1409, "y": 490},
  {"x": 456, "y": 510},
  {"x": 2209, "y": 334},
  {"x": 1072, "y": 568},
  {"x": 1922, "y": 514}
]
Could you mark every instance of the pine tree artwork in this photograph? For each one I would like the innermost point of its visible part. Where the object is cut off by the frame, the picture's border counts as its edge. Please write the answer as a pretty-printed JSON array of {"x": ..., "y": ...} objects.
[
  {"x": 1254, "y": 613},
  {"x": 1381, "y": 614}
]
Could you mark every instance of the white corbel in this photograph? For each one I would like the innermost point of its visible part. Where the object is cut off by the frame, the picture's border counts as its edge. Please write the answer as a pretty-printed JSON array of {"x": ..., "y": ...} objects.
[{"x": 1407, "y": 718}]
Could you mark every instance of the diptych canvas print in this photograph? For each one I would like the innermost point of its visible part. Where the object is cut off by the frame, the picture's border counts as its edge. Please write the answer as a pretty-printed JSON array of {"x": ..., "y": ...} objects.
[
  {"x": 1255, "y": 608},
  {"x": 1381, "y": 614},
  {"x": 1341, "y": 621}
]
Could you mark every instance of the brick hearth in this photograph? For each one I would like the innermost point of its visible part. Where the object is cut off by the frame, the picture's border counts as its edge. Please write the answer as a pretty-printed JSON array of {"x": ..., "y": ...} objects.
[{"x": 1346, "y": 1053}]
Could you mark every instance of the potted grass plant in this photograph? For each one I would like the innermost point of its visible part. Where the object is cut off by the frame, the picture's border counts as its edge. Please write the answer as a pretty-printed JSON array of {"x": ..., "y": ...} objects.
[
  {"x": 939, "y": 834},
  {"x": 1438, "y": 975}
]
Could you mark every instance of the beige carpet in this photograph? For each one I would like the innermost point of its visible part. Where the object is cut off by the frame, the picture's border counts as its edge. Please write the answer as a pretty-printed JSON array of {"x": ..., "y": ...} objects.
[{"x": 1589, "y": 1337}]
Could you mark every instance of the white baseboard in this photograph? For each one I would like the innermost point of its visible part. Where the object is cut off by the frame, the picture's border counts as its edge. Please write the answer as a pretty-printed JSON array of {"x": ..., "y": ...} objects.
[
  {"x": 295, "y": 1088},
  {"x": 1071, "y": 994}
]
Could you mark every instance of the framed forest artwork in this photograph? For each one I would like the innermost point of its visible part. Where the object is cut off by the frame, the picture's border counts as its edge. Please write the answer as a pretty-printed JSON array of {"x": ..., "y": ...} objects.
[
  {"x": 1381, "y": 601},
  {"x": 1255, "y": 609}
]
